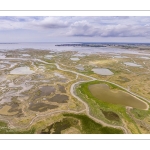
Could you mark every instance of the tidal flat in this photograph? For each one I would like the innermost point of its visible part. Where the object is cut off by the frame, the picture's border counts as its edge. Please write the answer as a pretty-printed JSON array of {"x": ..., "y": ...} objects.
[{"x": 42, "y": 91}]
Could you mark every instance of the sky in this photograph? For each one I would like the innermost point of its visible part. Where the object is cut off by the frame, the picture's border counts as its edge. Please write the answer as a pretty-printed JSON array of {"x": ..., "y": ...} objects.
[{"x": 75, "y": 29}]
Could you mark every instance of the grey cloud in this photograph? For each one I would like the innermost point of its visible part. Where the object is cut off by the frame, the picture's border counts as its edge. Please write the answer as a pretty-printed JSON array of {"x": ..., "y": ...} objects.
[
  {"x": 126, "y": 31},
  {"x": 92, "y": 26},
  {"x": 51, "y": 22},
  {"x": 33, "y": 23},
  {"x": 84, "y": 28}
]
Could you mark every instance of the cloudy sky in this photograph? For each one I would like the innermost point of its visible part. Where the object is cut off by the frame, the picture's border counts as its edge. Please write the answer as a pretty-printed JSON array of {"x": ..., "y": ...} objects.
[{"x": 74, "y": 29}]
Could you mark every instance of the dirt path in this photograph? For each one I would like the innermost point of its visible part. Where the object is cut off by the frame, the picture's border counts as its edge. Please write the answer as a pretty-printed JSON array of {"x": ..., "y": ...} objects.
[
  {"x": 88, "y": 111},
  {"x": 10, "y": 125},
  {"x": 85, "y": 104}
]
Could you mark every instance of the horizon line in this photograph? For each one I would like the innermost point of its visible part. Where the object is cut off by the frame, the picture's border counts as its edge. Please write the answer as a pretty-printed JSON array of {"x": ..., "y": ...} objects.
[{"x": 79, "y": 42}]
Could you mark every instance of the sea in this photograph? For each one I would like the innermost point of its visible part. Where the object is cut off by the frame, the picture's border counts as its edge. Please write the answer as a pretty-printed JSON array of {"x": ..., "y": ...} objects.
[{"x": 52, "y": 47}]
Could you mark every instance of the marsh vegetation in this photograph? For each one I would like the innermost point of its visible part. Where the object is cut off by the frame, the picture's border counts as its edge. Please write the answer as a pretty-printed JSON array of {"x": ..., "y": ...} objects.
[{"x": 35, "y": 95}]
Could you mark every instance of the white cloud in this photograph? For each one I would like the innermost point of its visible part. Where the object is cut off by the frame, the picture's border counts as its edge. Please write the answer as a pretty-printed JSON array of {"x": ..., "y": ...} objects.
[
  {"x": 51, "y": 22},
  {"x": 84, "y": 28},
  {"x": 32, "y": 23},
  {"x": 75, "y": 27}
]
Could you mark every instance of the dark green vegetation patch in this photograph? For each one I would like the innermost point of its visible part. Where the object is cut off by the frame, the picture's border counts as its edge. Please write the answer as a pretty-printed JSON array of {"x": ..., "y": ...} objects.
[
  {"x": 57, "y": 127},
  {"x": 81, "y": 122},
  {"x": 91, "y": 127},
  {"x": 111, "y": 115}
]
